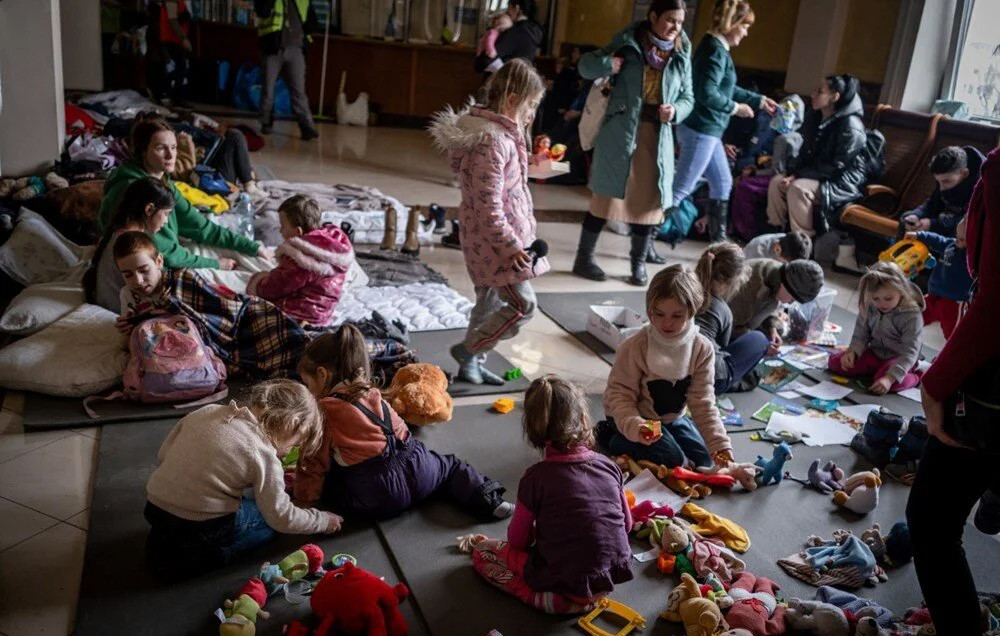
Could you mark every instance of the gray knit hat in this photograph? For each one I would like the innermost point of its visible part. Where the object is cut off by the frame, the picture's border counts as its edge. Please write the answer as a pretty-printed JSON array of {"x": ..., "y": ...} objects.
[{"x": 803, "y": 279}]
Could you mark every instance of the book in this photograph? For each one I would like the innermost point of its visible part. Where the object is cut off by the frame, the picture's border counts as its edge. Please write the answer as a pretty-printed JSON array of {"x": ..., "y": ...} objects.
[
  {"x": 776, "y": 373},
  {"x": 778, "y": 405}
]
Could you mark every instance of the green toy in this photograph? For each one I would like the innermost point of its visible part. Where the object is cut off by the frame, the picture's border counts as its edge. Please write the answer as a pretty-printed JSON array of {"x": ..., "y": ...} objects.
[{"x": 513, "y": 374}]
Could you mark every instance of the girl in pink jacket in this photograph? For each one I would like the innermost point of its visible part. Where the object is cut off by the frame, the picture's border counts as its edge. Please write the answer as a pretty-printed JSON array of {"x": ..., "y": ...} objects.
[
  {"x": 496, "y": 219},
  {"x": 313, "y": 263}
]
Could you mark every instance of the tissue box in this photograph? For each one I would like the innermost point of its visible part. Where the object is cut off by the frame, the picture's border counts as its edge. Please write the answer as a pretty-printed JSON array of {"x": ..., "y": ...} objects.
[{"x": 613, "y": 324}]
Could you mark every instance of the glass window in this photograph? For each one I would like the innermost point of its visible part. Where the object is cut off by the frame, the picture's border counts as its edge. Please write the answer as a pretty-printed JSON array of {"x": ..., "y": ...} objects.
[{"x": 977, "y": 82}]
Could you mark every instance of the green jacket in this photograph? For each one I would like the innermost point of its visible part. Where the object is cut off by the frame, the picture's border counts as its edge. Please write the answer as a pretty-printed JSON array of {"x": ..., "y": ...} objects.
[
  {"x": 185, "y": 221},
  {"x": 616, "y": 140},
  {"x": 715, "y": 91}
]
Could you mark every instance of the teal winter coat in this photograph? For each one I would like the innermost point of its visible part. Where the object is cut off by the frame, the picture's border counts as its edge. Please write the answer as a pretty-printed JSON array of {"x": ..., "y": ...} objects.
[{"x": 616, "y": 140}]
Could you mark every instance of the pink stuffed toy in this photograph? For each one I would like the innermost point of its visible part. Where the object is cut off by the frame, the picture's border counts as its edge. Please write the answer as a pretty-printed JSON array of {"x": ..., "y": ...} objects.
[
  {"x": 646, "y": 510},
  {"x": 755, "y": 607}
]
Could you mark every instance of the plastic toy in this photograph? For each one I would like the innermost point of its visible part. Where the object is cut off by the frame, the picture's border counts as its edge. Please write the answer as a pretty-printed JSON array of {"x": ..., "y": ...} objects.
[
  {"x": 911, "y": 255},
  {"x": 633, "y": 619},
  {"x": 512, "y": 374},
  {"x": 503, "y": 405},
  {"x": 419, "y": 393},
  {"x": 352, "y": 601},
  {"x": 558, "y": 152},
  {"x": 543, "y": 146},
  {"x": 339, "y": 560},
  {"x": 773, "y": 467},
  {"x": 651, "y": 430}
]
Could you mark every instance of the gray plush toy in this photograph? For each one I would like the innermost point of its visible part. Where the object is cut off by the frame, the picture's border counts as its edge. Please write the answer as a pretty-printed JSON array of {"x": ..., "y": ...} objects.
[{"x": 817, "y": 618}]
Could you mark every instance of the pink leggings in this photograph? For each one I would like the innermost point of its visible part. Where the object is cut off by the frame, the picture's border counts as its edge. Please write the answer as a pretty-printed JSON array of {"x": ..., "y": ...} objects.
[
  {"x": 503, "y": 566},
  {"x": 870, "y": 364}
]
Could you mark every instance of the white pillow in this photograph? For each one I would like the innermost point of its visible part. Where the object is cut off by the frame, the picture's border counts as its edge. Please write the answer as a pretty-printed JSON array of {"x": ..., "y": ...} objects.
[
  {"x": 79, "y": 355},
  {"x": 38, "y": 306},
  {"x": 37, "y": 253}
]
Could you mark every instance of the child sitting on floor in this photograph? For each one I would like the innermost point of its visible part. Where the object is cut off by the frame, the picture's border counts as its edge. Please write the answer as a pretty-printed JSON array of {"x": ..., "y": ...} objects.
[
  {"x": 784, "y": 248},
  {"x": 886, "y": 340},
  {"x": 770, "y": 283},
  {"x": 721, "y": 270},
  {"x": 141, "y": 267},
  {"x": 198, "y": 515},
  {"x": 369, "y": 462},
  {"x": 312, "y": 266},
  {"x": 950, "y": 283},
  {"x": 658, "y": 371},
  {"x": 570, "y": 506},
  {"x": 497, "y": 222}
]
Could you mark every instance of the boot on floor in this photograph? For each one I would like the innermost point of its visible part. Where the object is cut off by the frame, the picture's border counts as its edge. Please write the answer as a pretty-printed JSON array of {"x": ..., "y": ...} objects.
[
  {"x": 389, "y": 236},
  {"x": 411, "y": 245},
  {"x": 266, "y": 124},
  {"x": 637, "y": 258},
  {"x": 307, "y": 130},
  {"x": 718, "y": 212},
  {"x": 652, "y": 257},
  {"x": 584, "y": 265}
]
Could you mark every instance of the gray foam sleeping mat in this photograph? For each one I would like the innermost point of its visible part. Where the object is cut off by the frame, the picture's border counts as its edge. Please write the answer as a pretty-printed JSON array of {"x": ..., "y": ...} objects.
[{"x": 434, "y": 347}]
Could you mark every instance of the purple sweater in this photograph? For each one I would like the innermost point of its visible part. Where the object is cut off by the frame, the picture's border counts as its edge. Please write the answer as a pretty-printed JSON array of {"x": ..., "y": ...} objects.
[{"x": 575, "y": 507}]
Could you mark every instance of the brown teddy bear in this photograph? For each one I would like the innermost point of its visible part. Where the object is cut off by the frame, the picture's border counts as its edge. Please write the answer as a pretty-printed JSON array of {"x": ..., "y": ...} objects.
[{"x": 419, "y": 393}]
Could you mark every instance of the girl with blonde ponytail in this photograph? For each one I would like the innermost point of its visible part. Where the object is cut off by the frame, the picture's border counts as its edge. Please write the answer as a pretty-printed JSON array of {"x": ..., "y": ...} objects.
[{"x": 721, "y": 270}]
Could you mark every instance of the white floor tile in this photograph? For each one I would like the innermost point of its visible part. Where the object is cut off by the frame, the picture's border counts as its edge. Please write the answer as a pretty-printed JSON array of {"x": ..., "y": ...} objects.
[
  {"x": 20, "y": 523},
  {"x": 81, "y": 521},
  {"x": 14, "y": 441},
  {"x": 41, "y": 582},
  {"x": 54, "y": 479},
  {"x": 93, "y": 432}
]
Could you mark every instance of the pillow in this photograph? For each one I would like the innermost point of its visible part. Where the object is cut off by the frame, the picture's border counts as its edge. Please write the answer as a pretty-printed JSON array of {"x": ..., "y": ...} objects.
[
  {"x": 37, "y": 253},
  {"x": 39, "y": 306},
  {"x": 79, "y": 355}
]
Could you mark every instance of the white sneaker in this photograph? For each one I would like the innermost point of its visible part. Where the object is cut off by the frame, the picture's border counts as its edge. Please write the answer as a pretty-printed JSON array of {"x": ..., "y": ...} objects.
[{"x": 254, "y": 190}]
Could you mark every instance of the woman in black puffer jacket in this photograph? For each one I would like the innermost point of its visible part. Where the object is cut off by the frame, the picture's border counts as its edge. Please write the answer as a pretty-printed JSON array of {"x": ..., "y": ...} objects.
[{"x": 831, "y": 168}]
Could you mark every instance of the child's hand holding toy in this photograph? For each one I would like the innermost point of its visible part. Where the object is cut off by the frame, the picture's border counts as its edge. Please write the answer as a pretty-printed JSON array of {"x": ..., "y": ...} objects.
[
  {"x": 650, "y": 431},
  {"x": 522, "y": 261},
  {"x": 723, "y": 458}
]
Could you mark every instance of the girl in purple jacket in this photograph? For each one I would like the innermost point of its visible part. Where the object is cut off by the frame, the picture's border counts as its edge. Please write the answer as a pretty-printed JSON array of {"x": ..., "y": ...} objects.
[
  {"x": 496, "y": 218},
  {"x": 567, "y": 543}
]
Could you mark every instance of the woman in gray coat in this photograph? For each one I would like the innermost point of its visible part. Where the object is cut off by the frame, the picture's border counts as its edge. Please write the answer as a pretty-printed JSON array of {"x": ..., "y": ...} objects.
[{"x": 649, "y": 63}]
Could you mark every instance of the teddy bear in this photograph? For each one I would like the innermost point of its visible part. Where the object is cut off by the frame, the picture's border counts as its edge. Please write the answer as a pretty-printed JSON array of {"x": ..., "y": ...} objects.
[
  {"x": 860, "y": 493},
  {"x": 352, "y": 601},
  {"x": 700, "y": 616},
  {"x": 755, "y": 607},
  {"x": 817, "y": 618},
  {"x": 240, "y": 615},
  {"x": 419, "y": 393}
]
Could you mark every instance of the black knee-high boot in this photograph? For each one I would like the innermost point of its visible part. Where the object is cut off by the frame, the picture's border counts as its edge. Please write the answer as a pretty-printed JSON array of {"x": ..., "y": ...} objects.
[
  {"x": 637, "y": 257},
  {"x": 718, "y": 211},
  {"x": 585, "y": 265}
]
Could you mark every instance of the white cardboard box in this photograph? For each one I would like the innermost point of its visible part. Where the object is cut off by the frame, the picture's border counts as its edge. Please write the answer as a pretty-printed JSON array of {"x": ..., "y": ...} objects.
[
  {"x": 547, "y": 169},
  {"x": 613, "y": 324}
]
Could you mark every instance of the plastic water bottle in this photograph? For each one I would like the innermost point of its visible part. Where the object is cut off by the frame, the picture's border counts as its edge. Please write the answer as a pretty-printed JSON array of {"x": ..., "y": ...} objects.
[{"x": 244, "y": 215}]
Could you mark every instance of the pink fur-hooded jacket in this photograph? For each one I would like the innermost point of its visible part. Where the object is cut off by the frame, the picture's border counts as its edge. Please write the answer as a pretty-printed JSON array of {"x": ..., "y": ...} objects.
[
  {"x": 309, "y": 278},
  {"x": 496, "y": 216}
]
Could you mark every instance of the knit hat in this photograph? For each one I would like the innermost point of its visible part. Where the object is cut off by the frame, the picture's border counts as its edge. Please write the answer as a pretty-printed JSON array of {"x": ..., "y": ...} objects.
[{"x": 803, "y": 279}]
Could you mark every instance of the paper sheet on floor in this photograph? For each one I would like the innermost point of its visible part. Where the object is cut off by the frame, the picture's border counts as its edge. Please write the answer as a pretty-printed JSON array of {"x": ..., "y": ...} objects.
[
  {"x": 648, "y": 555},
  {"x": 645, "y": 486},
  {"x": 857, "y": 412},
  {"x": 818, "y": 430},
  {"x": 911, "y": 394},
  {"x": 788, "y": 395},
  {"x": 826, "y": 390}
]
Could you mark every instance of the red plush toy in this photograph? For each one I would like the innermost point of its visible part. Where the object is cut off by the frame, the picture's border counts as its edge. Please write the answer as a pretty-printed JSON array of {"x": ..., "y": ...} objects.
[{"x": 351, "y": 601}]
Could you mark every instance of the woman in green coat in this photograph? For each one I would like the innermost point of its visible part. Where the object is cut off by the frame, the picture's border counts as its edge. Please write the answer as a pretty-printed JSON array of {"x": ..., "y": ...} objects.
[
  {"x": 649, "y": 63},
  {"x": 154, "y": 154}
]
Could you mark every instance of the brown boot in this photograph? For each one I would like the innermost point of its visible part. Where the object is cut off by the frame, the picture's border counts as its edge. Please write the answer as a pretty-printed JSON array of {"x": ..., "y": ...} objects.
[
  {"x": 411, "y": 245},
  {"x": 389, "y": 238}
]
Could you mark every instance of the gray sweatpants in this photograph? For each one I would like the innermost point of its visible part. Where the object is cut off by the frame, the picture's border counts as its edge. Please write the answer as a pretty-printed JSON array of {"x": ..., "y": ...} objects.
[
  {"x": 499, "y": 313},
  {"x": 291, "y": 64}
]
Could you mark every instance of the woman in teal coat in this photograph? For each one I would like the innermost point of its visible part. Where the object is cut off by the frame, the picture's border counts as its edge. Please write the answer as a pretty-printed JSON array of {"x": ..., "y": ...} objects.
[{"x": 649, "y": 63}]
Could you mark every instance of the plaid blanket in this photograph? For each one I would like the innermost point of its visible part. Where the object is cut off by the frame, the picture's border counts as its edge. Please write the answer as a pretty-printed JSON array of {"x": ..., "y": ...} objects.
[{"x": 249, "y": 334}]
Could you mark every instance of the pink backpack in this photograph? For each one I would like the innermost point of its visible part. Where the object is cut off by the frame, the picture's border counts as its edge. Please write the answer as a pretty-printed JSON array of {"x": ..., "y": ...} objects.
[{"x": 169, "y": 363}]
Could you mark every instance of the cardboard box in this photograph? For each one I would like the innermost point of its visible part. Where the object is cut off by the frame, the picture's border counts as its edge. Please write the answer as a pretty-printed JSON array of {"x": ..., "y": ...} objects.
[
  {"x": 613, "y": 324},
  {"x": 546, "y": 169}
]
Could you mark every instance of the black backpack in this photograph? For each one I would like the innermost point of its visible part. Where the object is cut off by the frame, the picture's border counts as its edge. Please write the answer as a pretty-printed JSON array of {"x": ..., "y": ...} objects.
[{"x": 872, "y": 156}]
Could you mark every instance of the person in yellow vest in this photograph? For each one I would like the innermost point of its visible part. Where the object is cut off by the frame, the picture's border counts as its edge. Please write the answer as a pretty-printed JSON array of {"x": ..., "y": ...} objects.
[{"x": 284, "y": 27}]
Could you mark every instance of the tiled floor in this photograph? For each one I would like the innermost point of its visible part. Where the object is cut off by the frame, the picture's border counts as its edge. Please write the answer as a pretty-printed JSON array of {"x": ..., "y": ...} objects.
[{"x": 46, "y": 478}]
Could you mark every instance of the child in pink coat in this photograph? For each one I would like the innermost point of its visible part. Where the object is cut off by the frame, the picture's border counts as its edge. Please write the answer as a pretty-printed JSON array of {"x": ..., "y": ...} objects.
[
  {"x": 496, "y": 218},
  {"x": 313, "y": 263}
]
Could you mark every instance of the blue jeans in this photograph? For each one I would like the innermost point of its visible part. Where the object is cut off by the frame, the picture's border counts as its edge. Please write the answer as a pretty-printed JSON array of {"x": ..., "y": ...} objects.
[
  {"x": 745, "y": 353},
  {"x": 701, "y": 155},
  {"x": 250, "y": 530},
  {"x": 680, "y": 441}
]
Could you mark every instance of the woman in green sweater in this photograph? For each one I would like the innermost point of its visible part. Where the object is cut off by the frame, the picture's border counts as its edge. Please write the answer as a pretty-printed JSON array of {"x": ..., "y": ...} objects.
[
  {"x": 717, "y": 98},
  {"x": 154, "y": 154}
]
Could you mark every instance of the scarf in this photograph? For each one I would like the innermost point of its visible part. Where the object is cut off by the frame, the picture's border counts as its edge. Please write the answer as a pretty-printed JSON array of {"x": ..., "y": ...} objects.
[
  {"x": 657, "y": 46},
  {"x": 669, "y": 357}
]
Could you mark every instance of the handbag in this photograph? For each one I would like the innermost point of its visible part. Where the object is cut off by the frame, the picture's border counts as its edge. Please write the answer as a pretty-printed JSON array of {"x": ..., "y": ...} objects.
[
  {"x": 972, "y": 415},
  {"x": 594, "y": 110}
]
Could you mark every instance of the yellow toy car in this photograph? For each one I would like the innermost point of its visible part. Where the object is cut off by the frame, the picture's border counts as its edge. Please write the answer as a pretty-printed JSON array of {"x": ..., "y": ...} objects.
[{"x": 911, "y": 255}]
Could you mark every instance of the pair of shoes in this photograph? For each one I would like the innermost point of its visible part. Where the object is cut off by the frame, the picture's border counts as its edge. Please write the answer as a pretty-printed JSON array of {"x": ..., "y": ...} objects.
[
  {"x": 878, "y": 437},
  {"x": 308, "y": 133},
  {"x": 452, "y": 240},
  {"x": 471, "y": 367},
  {"x": 411, "y": 244}
]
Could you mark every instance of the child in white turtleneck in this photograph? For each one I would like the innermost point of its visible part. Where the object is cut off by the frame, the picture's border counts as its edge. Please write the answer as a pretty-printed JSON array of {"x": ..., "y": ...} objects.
[{"x": 660, "y": 370}]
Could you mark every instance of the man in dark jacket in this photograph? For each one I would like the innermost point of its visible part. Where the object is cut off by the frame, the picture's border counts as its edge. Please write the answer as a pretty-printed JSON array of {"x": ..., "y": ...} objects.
[
  {"x": 284, "y": 27},
  {"x": 956, "y": 171},
  {"x": 520, "y": 41},
  {"x": 830, "y": 171}
]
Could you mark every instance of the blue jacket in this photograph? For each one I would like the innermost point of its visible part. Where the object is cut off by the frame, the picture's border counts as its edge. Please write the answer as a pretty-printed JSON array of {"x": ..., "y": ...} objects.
[
  {"x": 945, "y": 208},
  {"x": 616, "y": 140},
  {"x": 950, "y": 278}
]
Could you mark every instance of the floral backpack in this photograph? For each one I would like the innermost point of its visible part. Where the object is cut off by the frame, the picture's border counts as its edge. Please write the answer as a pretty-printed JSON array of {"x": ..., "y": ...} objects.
[{"x": 169, "y": 362}]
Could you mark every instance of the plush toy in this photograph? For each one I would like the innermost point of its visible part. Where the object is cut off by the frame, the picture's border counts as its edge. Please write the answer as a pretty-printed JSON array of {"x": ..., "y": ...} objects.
[
  {"x": 860, "y": 493},
  {"x": 716, "y": 591},
  {"x": 671, "y": 481},
  {"x": 739, "y": 631},
  {"x": 773, "y": 467},
  {"x": 686, "y": 589},
  {"x": 272, "y": 578},
  {"x": 351, "y": 601},
  {"x": 868, "y": 625},
  {"x": 826, "y": 479},
  {"x": 419, "y": 393},
  {"x": 699, "y": 615},
  {"x": 240, "y": 616},
  {"x": 306, "y": 560},
  {"x": 893, "y": 549},
  {"x": 646, "y": 510},
  {"x": 817, "y": 618},
  {"x": 744, "y": 474},
  {"x": 755, "y": 607},
  {"x": 712, "y": 479}
]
